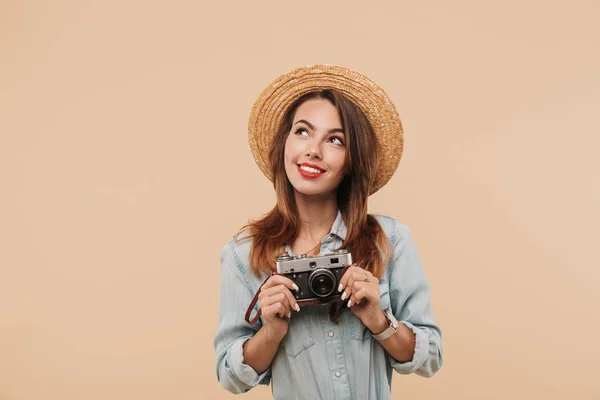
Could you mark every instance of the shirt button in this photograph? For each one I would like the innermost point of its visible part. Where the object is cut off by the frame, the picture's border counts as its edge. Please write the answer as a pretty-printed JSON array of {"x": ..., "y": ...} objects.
[
  {"x": 330, "y": 334},
  {"x": 338, "y": 374}
]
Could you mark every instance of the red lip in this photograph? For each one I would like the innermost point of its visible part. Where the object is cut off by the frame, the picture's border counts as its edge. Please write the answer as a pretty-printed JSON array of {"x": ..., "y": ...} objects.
[{"x": 309, "y": 175}]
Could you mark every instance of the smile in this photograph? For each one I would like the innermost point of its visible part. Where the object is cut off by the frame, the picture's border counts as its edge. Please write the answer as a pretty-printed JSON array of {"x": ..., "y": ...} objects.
[{"x": 309, "y": 172}]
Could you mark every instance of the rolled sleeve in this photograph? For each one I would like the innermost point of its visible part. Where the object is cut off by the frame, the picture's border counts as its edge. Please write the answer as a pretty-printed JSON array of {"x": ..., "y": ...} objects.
[
  {"x": 233, "y": 331},
  {"x": 242, "y": 371},
  {"x": 410, "y": 299},
  {"x": 419, "y": 356}
]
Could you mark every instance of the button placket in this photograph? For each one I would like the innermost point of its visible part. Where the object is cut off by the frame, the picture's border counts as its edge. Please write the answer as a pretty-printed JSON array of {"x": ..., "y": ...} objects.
[{"x": 335, "y": 356}]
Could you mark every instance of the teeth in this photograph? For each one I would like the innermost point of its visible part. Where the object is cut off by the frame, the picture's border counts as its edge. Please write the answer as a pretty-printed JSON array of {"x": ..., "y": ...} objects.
[{"x": 309, "y": 169}]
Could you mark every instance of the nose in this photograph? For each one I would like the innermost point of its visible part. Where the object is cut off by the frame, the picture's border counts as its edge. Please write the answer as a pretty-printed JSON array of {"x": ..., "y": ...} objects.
[{"x": 313, "y": 150}]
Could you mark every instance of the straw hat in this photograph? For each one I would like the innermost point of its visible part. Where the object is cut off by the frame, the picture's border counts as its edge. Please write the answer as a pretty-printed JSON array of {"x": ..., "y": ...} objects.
[{"x": 270, "y": 107}]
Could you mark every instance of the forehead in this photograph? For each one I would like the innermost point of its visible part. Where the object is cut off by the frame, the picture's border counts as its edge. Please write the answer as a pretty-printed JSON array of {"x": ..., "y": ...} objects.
[{"x": 319, "y": 112}]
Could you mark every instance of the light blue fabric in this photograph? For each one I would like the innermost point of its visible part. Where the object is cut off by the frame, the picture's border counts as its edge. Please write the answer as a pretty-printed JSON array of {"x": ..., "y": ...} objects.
[{"x": 320, "y": 359}]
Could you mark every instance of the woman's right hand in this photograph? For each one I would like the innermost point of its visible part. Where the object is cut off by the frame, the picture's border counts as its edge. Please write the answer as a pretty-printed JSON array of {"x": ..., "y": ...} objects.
[{"x": 276, "y": 303}]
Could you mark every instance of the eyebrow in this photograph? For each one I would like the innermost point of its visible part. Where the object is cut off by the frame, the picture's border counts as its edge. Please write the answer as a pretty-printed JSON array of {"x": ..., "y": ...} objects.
[{"x": 334, "y": 130}]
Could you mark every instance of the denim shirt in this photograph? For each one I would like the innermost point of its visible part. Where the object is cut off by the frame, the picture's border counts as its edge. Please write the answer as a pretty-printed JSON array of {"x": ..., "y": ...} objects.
[{"x": 318, "y": 358}]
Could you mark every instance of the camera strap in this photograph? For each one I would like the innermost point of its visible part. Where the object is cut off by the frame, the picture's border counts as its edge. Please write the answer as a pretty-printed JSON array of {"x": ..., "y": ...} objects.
[
  {"x": 337, "y": 305},
  {"x": 253, "y": 303}
]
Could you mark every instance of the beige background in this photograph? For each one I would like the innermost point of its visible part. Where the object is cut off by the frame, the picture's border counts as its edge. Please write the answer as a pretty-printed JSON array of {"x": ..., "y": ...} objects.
[{"x": 125, "y": 168}]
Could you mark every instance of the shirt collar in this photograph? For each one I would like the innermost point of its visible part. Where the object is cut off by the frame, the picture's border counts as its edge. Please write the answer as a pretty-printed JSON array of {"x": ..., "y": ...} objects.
[{"x": 338, "y": 228}]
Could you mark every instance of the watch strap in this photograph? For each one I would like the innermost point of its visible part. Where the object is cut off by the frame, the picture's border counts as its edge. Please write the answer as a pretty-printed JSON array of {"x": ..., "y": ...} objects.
[
  {"x": 389, "y": 331},
  {"x": 385, "y": 334}
]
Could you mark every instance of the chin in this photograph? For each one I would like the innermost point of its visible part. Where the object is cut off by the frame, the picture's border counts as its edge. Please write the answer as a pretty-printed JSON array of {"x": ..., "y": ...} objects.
[
  {"x": 312, "y": 191},
  {"x": 310, "y": 188}
]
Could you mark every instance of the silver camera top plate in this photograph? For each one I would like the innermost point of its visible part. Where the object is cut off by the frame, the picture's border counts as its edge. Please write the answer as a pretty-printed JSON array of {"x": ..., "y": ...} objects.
[{"x": 294, "y": 264}]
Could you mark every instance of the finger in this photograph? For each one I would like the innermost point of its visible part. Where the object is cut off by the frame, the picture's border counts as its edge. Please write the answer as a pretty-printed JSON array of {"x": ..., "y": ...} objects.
[
  {"x": 359, "y": 275},
  {"x": 357, "y": 285},
  {"x": 286, "y": 291},
  {"x": 346, "y": 276},
  {"x": 275, "y": 280},
  {"x": 279, "y": 309},
  {"x": 283, "y": 311},
  {"x": 359, "y": 296},
  {"x": 276, "y": 309},
  {"x": 276, "y": 298},
  {"x": 355, "y": 288}
]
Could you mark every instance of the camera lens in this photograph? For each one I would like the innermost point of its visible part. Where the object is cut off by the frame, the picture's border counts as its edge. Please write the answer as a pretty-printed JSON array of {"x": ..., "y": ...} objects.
[{"x": 321, "y": 282}]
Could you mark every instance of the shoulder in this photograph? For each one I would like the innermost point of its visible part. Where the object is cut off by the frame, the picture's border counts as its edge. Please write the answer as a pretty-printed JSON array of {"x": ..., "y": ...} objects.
[
  {"x": 395, "y": 230},
  {"x": 237, "y": 250},
  {"x": 405, "y": 256},
  {"x": 235, "y": 255},
  {"x": 241, "y": 244}
]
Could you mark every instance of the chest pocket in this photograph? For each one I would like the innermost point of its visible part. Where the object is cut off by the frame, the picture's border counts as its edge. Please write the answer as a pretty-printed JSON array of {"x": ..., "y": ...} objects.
[
  {"x": 300, "y": 335},
  {"x": 356, "y": 329}
]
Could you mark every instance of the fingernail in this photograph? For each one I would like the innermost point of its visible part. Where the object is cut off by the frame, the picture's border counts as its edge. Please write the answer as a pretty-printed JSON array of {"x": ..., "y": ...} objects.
[
  {"x": 349, "y": 303},
  {"x": 340, "y": 288},
  {"x": 295, "y": 287},
  {"x": 344, "y": 295},
  {"x": 357, "y": 301},
  {"x": 289, "y": 314},
  {"x": 297, "y": 307}
]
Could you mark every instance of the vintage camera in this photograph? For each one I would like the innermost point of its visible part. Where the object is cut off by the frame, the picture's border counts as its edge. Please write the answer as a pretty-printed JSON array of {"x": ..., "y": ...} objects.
[{"x": 317, "y": 277}]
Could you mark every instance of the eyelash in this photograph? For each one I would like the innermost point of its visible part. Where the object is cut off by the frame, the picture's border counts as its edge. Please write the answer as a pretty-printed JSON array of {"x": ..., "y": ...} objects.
[{"x": 332, "y": 137}]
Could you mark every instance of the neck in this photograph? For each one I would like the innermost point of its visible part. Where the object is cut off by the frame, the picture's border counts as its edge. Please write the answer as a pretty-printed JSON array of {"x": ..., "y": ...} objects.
[{"x": 317, "y": 215}]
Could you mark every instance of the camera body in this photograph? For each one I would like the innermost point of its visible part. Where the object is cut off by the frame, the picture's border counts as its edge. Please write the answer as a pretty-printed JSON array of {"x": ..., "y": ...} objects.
[{"x": 317, "y": 277}]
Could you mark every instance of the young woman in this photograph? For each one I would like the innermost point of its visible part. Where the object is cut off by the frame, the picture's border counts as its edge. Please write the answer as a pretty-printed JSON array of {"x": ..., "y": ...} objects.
[{"x": 328, "y": 138}]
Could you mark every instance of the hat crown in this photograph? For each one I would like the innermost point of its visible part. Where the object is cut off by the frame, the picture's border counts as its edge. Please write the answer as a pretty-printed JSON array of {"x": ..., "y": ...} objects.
[{"x": 269, "y": 110}]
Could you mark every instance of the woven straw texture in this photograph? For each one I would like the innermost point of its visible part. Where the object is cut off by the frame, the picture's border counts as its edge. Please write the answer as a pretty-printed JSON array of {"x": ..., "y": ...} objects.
[{"x": 269, "y": 109}]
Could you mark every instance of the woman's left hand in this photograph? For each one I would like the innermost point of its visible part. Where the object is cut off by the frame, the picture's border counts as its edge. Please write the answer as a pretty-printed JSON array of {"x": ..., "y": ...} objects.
[{"x": 363, "y": 289}]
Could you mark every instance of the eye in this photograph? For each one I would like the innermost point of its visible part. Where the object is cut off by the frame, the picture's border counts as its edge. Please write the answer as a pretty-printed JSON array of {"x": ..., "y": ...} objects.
[
  {"x": 301, "y": 130},
  {"x": 338, "y": 139}
]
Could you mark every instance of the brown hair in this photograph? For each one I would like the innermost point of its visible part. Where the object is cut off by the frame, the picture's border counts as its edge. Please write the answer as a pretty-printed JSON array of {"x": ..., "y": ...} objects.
[{"x": 365, "y": 238}]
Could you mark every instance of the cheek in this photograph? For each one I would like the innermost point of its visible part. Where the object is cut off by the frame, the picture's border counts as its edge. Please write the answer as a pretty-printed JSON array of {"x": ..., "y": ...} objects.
[
  {"x": 288, "y": 150},
  {"x": 340, "y": 162}
]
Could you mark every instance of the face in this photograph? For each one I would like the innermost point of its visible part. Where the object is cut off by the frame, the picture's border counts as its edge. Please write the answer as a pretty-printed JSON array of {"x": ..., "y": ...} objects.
[{"x": 315, "y": 149}]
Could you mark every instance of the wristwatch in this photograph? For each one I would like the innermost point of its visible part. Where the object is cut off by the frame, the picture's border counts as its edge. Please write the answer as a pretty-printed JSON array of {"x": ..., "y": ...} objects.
[{"x": 393, "y": 328}]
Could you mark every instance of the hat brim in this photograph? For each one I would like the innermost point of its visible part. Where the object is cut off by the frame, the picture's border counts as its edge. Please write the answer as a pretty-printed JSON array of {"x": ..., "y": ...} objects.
[{"x": 269, "y": 109}]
